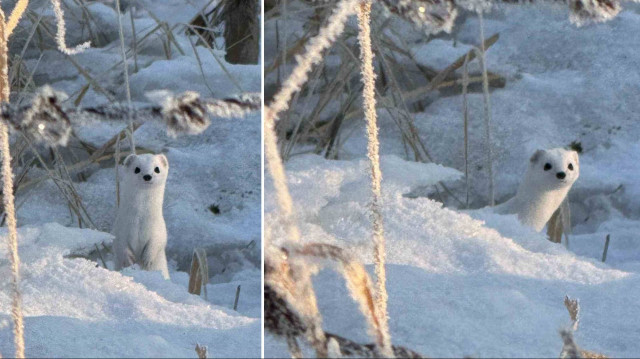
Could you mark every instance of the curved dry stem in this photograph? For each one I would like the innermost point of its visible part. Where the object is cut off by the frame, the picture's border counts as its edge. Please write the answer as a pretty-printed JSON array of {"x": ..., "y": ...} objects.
[
  {"x": 373, "y": 153},
  {"x": 292, "y": 282},
  {"x": 62, "y": 31},
  {"x": 276, "y": 170},
  {"x": 8, "y": 201},
  {"x": 15, "y": 16},
  {"x": 359, "y": 285},
  {"x": 313, "y": 55}
]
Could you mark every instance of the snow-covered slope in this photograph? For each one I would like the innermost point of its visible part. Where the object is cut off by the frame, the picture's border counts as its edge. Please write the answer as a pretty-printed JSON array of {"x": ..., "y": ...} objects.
[
  {"x": 456, "y": 287},
  {"x": 73, "y": 308}
]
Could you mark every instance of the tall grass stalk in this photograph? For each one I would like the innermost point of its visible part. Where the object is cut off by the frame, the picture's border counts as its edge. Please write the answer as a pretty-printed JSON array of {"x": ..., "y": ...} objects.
[
  {"x": 8, "y": 199},
  {"x": 487, "y": 110},
  {"x": 311, "y": 56},
  {"x": 276, "y": 170},
  {"x": 304, "y": 294},
  {"x": 465, "y": 116},
  {"x": 369, "y": 104},
  {"x": 5, "y": 152},
  {"x": 299, "y": 75},
  {"x": 126, "y": 78}
]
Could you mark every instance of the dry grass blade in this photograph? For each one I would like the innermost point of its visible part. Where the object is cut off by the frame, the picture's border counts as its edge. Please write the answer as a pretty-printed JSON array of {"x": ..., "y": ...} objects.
[
  {"x": 465, "y": 119},
  {"x": 606, "y": 248},
  {"x": 573, "y": 306},
  {"x": 201, "y": 351},
  {"x": 554, "y": 227},
  {"x": 117, "y": 166},
  {"x": 560, "y": 223},
  {"x": 199, "y": 273},
  {"x": 358, "y": 283},
  {"x": 487, "y": 111},
  {"x": 569, "y": 348},
  {"x": 282, "y": 318},
  {"x": 291, "y": 279},
  {"x": 435, "y": 83}
]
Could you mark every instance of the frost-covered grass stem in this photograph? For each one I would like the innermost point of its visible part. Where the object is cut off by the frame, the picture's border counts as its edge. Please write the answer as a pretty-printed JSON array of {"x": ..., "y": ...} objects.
[
  {"x": 311, "y": 56},
  {"x": 373, "y": 153},
  {"x": 15, "y": 16},
  {"x": 8, "y": 200},
  {"x": 62, "y": 31}
]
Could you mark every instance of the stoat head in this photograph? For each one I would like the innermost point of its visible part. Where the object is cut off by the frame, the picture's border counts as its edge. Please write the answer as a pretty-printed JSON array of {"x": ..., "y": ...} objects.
[
  {"x": 552, "y": 169},
  {"x": 147, "y": 170}
]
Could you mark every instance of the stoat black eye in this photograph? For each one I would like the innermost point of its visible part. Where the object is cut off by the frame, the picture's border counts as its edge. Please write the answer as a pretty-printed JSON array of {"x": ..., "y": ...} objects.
[
  {"x": 137, "y": 170},
  {"x": 156, "y": 170},
  {"x": 547, "y": 166},
  {"x": 570, "y": 166}
]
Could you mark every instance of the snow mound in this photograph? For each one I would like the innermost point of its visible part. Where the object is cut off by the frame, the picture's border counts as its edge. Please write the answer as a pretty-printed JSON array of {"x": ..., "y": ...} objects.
[
  {"x": 72, "y": 307},
  {"x": 456, "y": 286}
]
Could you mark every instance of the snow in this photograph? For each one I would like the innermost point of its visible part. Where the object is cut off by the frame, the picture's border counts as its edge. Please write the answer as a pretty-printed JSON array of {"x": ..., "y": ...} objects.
[
  {"x": 73, "y": 305},
  {"x": 472, "y": 282}
]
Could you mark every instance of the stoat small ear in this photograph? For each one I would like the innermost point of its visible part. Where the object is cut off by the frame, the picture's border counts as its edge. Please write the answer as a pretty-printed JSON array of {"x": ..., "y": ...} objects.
[
  {"x": 164, "y": 160},
  {"x": 129, "y": 160},
  {"x": 536, "y": 156},
  {"x": 576, "y": 157}
]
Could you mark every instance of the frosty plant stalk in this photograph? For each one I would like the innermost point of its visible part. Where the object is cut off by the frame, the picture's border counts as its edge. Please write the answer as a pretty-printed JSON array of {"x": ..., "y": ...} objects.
[
  {"x": 312, "y": 55},
  {"x": 369, "y": 103},
  {"x": 8, "y": 200},
  {"x": 306, "y": 301},
  {"x": 7, "y": 176}
]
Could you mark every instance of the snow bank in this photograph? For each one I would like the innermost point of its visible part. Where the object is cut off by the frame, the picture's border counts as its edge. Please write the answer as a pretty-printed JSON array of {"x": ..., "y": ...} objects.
[
  {"x": 74, "y": 308},
  {"x": 456, "y": 287}
]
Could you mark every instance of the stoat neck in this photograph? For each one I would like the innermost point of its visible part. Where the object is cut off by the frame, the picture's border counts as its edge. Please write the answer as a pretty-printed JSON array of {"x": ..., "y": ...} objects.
[
  {"x": 539, "y": 204},
  {"x": 142, "y": 198}
]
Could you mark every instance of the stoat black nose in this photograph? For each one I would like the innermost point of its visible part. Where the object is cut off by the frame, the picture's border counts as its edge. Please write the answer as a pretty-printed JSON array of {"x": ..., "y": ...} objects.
[
  {"x": 148, "y": 177},
  {"x": 561, "y": 175}
]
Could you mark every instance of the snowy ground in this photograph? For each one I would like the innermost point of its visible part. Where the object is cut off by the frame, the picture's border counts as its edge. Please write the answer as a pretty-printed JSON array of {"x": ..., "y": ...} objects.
[
  {"x": 73, "y": 308},
  {"x": 212, "y": 198},
  {"x": 472, "y": 282}
]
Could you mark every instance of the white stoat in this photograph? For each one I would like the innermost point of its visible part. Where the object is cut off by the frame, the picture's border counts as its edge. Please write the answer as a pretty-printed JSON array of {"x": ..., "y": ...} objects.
[
  {"x": 140, "y": 231},
  {"x": 545, "y": 185}
]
